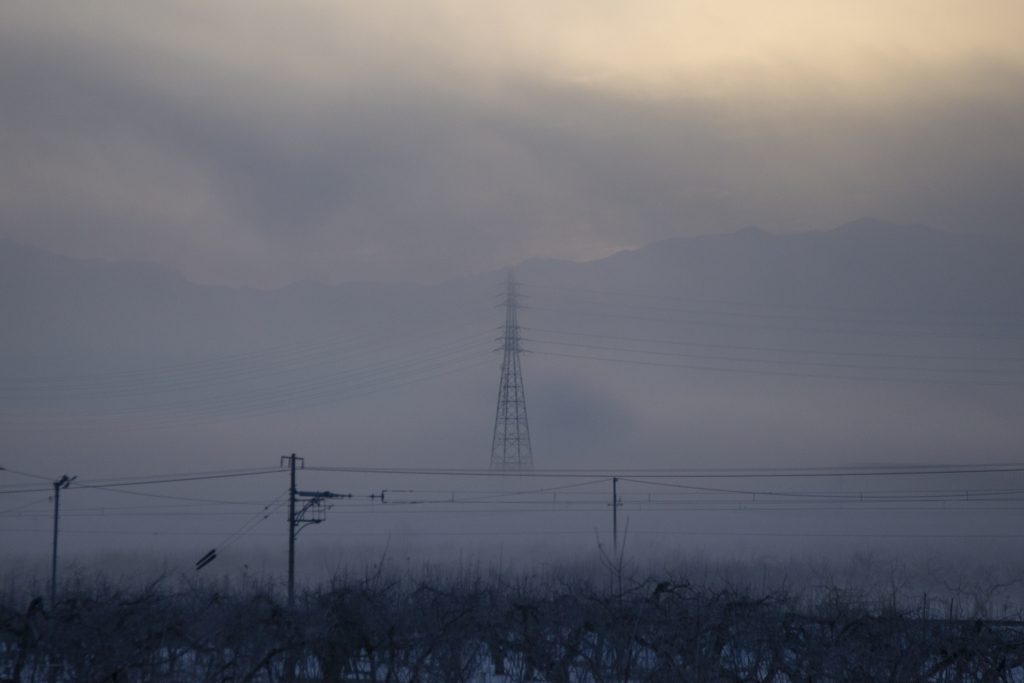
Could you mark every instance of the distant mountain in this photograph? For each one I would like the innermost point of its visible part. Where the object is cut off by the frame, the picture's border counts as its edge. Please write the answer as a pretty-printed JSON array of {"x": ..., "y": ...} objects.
[
  {"x": 864, "y": 264},
  {"x": 68, "y": 315}
]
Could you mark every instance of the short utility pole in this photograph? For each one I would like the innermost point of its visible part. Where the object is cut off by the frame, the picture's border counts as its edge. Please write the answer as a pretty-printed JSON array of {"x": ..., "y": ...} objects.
[
  {"x": 615, "y": 516},
  {"x": 61, "y": 483},
  {"x": 313, "y": 511}
]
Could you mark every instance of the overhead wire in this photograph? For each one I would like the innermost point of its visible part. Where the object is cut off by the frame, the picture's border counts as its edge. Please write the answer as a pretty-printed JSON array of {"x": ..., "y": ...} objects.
[
  {"x": 454, "y": 354},
  {"x": 253, "y": 522},
  {"x": 726, "y": 356},
  {"x": 24, "y": 474},
  {"x": 885, "y": 470},
  {"x": 590, "y": 532},
  {"x": 781, "y": 328},
  {"x": 198, "y": 377},
  {"x": 22, "y": 507},
  {"x": 439, "y": 370},
  {"x": 114, "y": 483},
  {"x": 765, "y": 361},
  {"x": 900, "y": 313},
  {"x": 198, "y": 381},
  {"x": 255, "y": 361},
  {"x": 575, "y": 500},
  {"x": 324, "y": 388},
  {"x": 307, "y": 373},
  {"x": 397, "y": 367},
  {"x": 776, "y": 349},
  {"x": 780, "y": 373}
]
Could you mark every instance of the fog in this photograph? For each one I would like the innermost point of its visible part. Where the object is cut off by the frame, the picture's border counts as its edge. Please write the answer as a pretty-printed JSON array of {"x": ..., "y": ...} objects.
[
  {"x": 769, "y": 263},
  {"x": 698, "y": 371}
]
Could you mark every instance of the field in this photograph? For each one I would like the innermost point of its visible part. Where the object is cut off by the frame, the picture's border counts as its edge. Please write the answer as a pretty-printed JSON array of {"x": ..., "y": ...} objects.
[{"x": 863, "y": 620}]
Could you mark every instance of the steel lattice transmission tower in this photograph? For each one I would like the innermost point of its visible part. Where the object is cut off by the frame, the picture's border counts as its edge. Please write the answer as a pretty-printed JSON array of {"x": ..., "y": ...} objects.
[{"x": 510, "y": 449}]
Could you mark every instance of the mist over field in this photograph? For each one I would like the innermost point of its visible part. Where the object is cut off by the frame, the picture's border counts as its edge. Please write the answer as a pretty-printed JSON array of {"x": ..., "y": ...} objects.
[{"x": 848, "y": 353}]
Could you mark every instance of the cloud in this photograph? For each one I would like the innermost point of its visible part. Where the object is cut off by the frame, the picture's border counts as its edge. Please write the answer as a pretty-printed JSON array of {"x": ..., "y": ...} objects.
[{"x": 261, "y": 143}]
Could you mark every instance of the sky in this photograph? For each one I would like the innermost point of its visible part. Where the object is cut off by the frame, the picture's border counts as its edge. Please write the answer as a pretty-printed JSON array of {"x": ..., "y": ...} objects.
[{"x": 260, "y": 143}]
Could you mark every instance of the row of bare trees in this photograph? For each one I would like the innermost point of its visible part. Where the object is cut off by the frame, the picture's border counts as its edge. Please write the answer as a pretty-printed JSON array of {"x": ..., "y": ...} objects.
[{"x": 556, "y": 626}]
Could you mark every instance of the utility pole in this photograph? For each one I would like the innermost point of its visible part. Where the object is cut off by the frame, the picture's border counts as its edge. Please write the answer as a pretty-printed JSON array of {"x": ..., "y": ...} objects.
[
  {"x": 61, "y": 483},
  {"x": 291, "y": 531},
  {"x": 615, "y": 516},
  {"x": 313, "y": 511},
  {"x": 510, "y": 447}
]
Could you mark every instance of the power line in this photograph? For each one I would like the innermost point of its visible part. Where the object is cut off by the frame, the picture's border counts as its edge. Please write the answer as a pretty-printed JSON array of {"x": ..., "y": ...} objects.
[
  {"x": 366, "y": 369},
  {"x": 752, "y": 326},
  {"x": 769, "y": 349},
  {"x": 21, "y": 507},
  {"x": 277, "y": 399},
  {"x": 247, "y": 363},
  {"x": 901, "y": 313},
  {"x": 901, "y": 321},
  {"x": 765, "y": 361},
  {"x": 589, "y": 532},
  {"x": 115, "y": 483},
  {"x": 701, "y": 473},
  {"x": 597, "y": 474},
  {"x": 25, "y": 474},
  {"x": 253, "y": 522},
  {"x": 780, "y": 373}
]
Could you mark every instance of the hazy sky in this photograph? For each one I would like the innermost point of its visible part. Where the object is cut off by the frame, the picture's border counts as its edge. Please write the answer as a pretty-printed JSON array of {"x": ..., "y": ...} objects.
[
  {"x": 260, "y": 143},
  {"x": 263, "y": 142}
]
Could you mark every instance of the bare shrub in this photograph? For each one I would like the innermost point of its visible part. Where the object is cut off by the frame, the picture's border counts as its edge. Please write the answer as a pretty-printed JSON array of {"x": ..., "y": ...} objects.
[{"x": 560, "y": 625}]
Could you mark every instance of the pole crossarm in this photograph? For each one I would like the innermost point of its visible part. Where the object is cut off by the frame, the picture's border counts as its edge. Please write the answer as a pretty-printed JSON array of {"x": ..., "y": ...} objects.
[
  {"x": 313, "y": 510},
  {"x": 322, "y": 494}
]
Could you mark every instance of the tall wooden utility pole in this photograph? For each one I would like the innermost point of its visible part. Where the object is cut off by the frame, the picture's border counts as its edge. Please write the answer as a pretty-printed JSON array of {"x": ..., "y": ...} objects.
[{"x": 291, "y": 529}]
